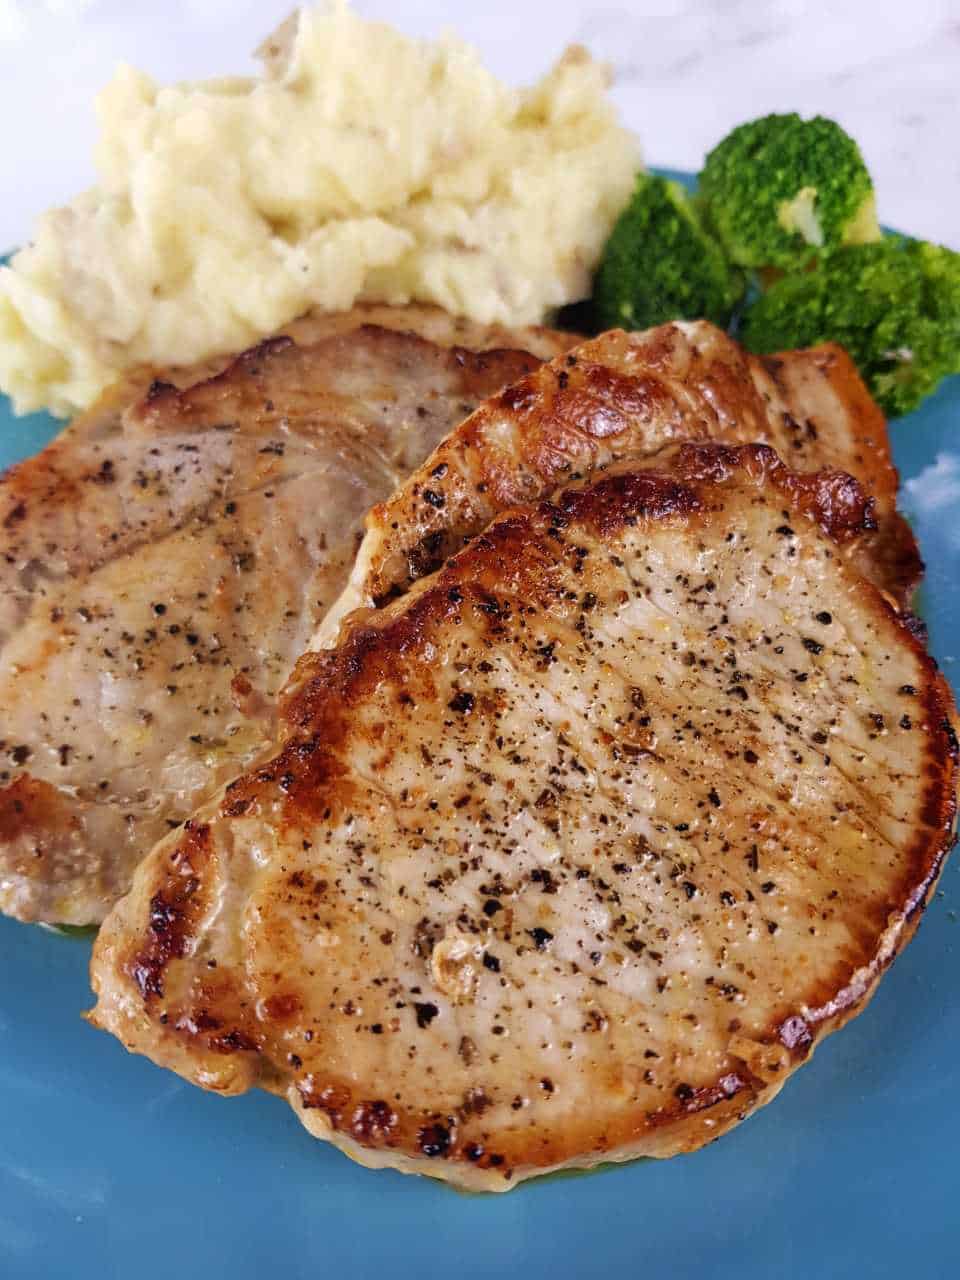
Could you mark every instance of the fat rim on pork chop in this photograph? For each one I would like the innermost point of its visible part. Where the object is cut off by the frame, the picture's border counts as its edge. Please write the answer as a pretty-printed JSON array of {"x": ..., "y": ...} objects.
[{"x": 574, "y": 852}]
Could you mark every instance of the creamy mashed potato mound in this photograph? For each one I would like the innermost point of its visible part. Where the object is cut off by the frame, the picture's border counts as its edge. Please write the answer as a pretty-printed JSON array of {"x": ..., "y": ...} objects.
[{"x": 361, "y": 165}]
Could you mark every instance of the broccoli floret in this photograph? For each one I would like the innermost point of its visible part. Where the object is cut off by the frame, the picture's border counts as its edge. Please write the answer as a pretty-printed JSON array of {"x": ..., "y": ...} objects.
[
  {"x": 661, "y": 264},
  {"x": 895, "y": 307},
  {"x": 779, "y": 190}
]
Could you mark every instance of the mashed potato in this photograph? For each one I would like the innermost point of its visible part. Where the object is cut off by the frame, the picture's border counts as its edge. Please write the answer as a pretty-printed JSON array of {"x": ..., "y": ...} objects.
[{"x": 361, "y": 165}]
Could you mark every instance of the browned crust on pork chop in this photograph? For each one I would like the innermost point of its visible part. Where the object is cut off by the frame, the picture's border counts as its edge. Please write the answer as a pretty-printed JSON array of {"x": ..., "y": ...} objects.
[
  {"x": 623, "y": 396},
  {"x": 782, "y": 864}
]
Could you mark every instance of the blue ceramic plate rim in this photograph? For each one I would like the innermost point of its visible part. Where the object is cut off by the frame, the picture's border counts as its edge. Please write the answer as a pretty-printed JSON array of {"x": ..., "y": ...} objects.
[{"x": 110, "y": 1167}]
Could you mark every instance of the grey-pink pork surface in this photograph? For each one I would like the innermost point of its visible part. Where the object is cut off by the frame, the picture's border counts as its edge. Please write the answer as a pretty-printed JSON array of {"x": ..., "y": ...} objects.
[{"x": 164, "y": 562}]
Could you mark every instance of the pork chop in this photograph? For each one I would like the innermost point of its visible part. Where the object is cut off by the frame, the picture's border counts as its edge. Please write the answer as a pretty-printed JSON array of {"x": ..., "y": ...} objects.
[
  {"x": 165, "y": 563},
  {"x": 624, "y": 396},
  {"x": 574, "y": 852}
]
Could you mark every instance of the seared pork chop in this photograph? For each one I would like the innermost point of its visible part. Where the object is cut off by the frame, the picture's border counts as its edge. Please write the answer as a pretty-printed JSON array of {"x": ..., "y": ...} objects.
[
  {"x": 624, "y": 396},
  {"x": 574, "y": 852},
  {"x": 165, "y": 563}
]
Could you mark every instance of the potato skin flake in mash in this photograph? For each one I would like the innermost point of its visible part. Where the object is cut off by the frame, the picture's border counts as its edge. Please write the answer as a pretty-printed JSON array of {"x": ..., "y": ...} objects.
[{"x": 361, "y": 166}]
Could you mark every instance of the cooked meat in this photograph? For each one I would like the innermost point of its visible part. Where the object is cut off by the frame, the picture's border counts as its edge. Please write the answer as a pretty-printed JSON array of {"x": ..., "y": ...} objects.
[
  {"x": 625, "y": 396},
  {"x": 435, "y": 325},
  {"x": 164, "y": 566},
  {"x": 430, "y": 323},
  {"x": 574, "y": 852}
]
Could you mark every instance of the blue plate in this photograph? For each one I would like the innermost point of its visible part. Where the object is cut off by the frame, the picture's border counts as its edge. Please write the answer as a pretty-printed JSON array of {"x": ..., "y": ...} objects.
[{"x": 110, "y": 1167}]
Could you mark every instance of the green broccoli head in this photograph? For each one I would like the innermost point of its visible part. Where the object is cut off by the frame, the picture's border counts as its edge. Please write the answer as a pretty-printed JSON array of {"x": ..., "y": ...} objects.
[
  {"x": 661, "y": 264},
  {"x": 778, "y": 190},
  {"x": 895, "y": 307}
]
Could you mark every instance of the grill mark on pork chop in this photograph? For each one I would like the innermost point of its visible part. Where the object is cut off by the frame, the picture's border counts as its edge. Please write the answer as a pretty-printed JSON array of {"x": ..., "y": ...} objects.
[
  {"x": 167, "y": 562},
  {"x": 669, "y": 939},
  {"x": 620, "y": 397}
]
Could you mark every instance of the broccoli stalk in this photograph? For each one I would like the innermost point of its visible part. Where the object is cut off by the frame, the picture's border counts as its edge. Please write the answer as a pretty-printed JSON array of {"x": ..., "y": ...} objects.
[
  {"x": 661, "y": 263},
  {"x": 895, "y": 307},
  {"x": 781, "y": 190}
]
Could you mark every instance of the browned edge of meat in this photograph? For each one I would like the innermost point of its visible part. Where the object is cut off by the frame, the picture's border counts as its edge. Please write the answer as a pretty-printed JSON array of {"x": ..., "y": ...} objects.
[{"x": 890, "y": 557}]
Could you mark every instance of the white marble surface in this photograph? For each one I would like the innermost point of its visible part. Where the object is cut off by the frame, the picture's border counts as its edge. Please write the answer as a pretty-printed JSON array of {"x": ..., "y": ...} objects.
[{"x": 686, "y": 71}]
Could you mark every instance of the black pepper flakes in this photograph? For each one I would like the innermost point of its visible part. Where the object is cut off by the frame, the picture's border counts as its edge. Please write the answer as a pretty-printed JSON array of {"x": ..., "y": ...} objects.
[
  {"x": 434, "y": 1140},
  {"x": 426, "y": 1012}
]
